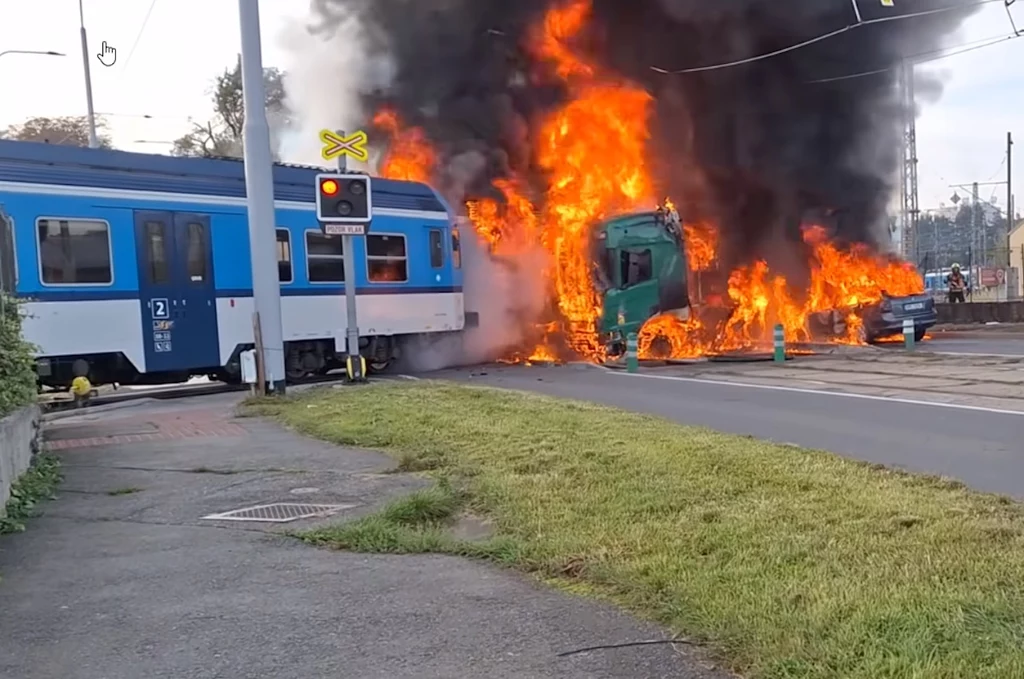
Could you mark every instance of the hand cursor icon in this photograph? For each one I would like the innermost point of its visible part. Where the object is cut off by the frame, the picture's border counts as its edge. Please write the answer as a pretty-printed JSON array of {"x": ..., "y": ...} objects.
[{"x": 107, "y": 55}]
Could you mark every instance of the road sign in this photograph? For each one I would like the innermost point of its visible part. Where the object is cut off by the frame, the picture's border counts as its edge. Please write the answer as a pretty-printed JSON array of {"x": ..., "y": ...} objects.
[
  {"x": 336, "y": 145},
  {"x": 332, "y": 229},
  {"x": 992, "y": 277}
]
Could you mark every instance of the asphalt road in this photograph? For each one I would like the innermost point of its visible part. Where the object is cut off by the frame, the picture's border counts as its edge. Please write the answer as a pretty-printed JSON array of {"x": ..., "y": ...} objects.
[
  {"x": 976, "y": 343},
  {"x": 982, "y": 448}
]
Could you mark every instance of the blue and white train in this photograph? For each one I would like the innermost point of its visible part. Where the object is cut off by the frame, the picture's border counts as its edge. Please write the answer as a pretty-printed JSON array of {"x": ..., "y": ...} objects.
[{"x": 136, "y": 267}]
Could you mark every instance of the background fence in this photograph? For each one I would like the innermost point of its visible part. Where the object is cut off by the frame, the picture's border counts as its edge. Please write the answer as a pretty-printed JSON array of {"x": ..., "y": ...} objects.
[{"x": 993, "y": 274}]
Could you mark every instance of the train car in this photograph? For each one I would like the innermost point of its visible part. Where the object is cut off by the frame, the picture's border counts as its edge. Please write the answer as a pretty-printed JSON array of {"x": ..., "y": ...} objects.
[{"x": 135, "y": 268}]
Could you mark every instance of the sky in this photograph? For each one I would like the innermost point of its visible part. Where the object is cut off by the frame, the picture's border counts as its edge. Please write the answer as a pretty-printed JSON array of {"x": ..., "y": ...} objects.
[{"x": 165, "y": 66}]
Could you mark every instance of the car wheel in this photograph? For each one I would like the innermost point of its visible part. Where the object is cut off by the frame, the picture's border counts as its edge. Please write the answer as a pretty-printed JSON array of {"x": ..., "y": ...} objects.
[
  {"x": 864, "y": 335},
  {"x": 919, "y": 334}
]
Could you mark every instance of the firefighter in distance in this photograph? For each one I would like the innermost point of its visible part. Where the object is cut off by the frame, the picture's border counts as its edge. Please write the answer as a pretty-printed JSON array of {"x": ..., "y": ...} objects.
[{"x": 957, "y": 285}]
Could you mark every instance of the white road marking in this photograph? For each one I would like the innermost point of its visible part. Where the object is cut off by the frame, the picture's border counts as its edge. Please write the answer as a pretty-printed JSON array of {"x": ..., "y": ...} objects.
[
  {"x": 408, "y": 377},
  {"x": 798, "y": 390},
  {"x": 962, "y": 354}
]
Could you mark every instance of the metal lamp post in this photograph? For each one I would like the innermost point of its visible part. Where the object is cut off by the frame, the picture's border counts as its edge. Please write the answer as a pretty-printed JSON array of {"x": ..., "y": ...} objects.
[{"x": 94, "y": 142}]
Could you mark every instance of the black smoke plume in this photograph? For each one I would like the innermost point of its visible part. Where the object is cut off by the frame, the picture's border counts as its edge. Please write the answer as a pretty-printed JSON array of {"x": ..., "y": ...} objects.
[{"x": 752, "y": 147}]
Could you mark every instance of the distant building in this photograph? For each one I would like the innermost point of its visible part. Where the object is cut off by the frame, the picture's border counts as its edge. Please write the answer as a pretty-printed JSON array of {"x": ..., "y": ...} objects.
[
  {"x": 1017, "y": 256},
  {"x": 945, "y": 211}
]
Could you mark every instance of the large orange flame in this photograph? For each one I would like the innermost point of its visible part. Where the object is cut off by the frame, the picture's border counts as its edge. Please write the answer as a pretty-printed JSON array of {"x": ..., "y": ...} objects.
[
  {"x": 410, "y": 156},
  {"x": 593, "y": 151},
  {"x": 841, "y": 281}
]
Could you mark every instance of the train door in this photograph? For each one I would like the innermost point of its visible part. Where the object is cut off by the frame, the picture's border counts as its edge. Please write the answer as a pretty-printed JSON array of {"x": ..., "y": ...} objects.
[
  {"x": 8, "y": 263},
  {"x": 176, "y": 291}
]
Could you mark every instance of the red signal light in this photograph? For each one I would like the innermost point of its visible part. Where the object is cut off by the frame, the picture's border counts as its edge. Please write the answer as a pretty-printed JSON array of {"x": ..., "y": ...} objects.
[{"x": 329, "y": 187}]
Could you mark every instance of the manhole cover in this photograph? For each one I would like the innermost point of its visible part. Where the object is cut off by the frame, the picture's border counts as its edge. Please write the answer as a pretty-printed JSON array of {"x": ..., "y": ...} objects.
[{"x": 279, "y": 512}]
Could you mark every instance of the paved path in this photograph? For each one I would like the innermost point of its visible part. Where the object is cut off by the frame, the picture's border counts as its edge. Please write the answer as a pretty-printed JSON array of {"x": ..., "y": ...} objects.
[
  {"x": 882, "y": 417},
  {"x": 123, "y": 586}
]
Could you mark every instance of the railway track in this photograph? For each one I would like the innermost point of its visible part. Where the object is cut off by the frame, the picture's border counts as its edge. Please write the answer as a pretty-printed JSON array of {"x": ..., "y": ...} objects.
[{"x": 175, "y": 391}]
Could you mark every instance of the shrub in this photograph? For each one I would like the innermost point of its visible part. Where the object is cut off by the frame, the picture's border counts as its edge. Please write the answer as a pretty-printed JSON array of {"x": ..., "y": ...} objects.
[{"x": 17, "y": 365}]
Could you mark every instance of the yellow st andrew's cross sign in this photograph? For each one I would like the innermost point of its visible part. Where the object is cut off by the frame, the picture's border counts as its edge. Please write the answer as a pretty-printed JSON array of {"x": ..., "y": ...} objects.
[{"x": 353, "y": 146}]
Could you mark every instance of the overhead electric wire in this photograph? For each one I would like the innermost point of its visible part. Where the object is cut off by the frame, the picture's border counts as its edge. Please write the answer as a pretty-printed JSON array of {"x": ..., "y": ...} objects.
[
  {"x": 1001, "y": 163},
  {"x": 820, "y": 38},
  {"x": 1009, "y": 15},
  {"x": 934, "y": 55},
  {"x": 138, "y": 36},
  {"x": 759, "y": 57}
]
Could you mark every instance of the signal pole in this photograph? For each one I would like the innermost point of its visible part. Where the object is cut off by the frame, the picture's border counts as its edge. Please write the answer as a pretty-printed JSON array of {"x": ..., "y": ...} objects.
[
  {"x": 1009, "y": 193},
  {"x": 976, "y": 228},
  {"x": 908, "y": 169},
  {"x": 259, "y": 193},
  {"x": 348, "y": 245}
]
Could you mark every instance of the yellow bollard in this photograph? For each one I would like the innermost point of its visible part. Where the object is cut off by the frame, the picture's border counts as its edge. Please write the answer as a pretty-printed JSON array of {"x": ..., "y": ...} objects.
[{"x": 349, "y": 365}]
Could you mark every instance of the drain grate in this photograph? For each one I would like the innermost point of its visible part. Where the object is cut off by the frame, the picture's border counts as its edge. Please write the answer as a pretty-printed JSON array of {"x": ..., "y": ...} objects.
[{"x": 279, "y": 512}]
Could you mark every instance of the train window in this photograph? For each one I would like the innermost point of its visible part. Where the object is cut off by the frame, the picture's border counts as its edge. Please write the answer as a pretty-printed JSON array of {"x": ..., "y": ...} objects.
[
  {"x": 74, "y": 252},
  {"x": 197, "y": 264},
  {"x": 284, "y": 256},
  {"x": 156, "y": 253},
  {"x": 324, "y": 258},
  {"x": 386, "y": 260},
  {"x": 635, "y": 267},
  {"x": 456, "y": 250},
  {"x": 436, "y": 249}
]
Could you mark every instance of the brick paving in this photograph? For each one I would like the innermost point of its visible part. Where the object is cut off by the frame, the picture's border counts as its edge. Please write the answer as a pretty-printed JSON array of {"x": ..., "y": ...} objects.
[{"x": 172, "y": 425}]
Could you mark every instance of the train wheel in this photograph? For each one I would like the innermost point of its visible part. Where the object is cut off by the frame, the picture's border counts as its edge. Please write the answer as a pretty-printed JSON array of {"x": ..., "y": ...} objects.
[
  {"x": 378, "y": 366},
  {"x": 295, "y": 374}
]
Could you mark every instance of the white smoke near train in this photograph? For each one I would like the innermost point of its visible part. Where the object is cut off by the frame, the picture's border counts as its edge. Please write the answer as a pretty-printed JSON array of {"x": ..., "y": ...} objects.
[
  {"x": 330, "y": 49},
  {"x": 317, "y": 56}
]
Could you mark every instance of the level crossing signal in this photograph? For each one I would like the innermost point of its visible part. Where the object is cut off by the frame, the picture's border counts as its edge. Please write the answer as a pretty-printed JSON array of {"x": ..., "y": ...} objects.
[{"x": 343, "y": 198}]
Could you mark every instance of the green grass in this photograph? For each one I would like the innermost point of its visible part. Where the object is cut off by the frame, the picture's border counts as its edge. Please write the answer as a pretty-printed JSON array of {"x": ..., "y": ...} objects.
[
  {"x": 790, "y": 563},
  {"x": 32, "y": 487}
]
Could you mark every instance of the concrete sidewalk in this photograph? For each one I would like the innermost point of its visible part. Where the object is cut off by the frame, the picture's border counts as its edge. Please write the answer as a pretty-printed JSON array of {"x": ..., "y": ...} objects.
[{"x": 122, "y": 578}]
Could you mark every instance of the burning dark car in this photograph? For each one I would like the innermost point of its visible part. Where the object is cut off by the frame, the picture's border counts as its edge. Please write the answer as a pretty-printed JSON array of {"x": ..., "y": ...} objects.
[
  {"x": 886, "y": 317},
  {"x": 879, "y": 320}
]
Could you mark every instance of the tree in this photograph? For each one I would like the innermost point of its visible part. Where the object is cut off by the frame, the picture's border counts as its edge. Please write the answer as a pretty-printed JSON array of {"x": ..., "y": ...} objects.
[
  {"x": 63, "y": 130},
  {"x": 222, "y": 135},
  {"x": 17, "y": 362}
]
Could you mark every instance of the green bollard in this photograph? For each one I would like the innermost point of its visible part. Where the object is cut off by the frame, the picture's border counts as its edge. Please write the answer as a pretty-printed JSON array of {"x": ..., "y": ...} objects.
[
  {"x": 632, "y": 365},
  {"x": 779, "y": 341},
  {"x": 908, "y": 334}
]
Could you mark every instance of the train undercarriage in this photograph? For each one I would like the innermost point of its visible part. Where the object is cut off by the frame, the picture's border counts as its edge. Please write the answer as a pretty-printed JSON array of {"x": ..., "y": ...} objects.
[{"x": 303, "y": 360}]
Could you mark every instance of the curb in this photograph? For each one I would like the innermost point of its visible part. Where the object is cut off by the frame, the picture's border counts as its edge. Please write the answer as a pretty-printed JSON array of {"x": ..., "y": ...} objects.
[{"x": 103, "y": 408}]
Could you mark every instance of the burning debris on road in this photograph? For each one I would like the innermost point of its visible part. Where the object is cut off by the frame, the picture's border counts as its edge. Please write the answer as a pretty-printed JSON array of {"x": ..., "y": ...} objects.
[{"x": 555, "y": 123}]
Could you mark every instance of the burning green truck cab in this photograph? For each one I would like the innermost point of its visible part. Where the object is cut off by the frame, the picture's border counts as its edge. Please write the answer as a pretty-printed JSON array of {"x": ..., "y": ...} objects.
[{"x": 640, "y": 272}]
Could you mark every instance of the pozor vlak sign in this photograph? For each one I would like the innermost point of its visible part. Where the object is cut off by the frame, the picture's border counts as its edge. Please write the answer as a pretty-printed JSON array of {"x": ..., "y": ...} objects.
[{"x": 344, "y": 203}]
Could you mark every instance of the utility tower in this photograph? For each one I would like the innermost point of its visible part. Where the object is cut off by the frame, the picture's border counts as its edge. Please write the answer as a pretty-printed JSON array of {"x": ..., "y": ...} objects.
[{"x": 908, "y": 169}]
